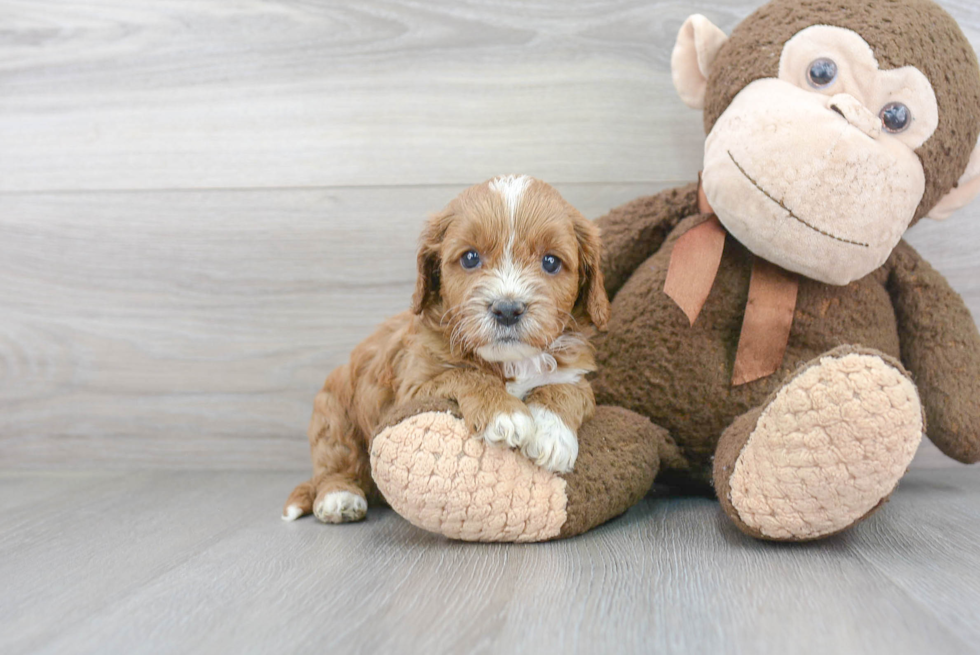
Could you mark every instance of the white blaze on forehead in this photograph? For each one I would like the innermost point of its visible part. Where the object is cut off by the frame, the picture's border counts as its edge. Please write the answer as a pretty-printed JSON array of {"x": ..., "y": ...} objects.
[
  {"x": 509, "y": 281},
  {"x": 511, "y": 188}
]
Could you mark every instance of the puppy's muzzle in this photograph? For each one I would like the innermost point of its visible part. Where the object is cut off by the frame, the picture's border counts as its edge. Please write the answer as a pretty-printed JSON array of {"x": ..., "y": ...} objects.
[{"x": 507, "y": 312}]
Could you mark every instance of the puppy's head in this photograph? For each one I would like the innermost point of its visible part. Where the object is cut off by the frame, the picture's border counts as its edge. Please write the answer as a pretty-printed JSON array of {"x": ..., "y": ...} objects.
[{"x": 507, "y": 267}]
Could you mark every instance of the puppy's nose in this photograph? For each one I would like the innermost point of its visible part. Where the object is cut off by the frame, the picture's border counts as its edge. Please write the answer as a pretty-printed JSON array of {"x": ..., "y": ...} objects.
[{"x": 507, "y": 312}]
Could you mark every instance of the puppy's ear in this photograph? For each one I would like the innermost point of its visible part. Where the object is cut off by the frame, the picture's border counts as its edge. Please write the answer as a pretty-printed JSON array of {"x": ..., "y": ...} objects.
[
  {"x": 429, "y": 261},
  {"x": 592, "y": 299}
]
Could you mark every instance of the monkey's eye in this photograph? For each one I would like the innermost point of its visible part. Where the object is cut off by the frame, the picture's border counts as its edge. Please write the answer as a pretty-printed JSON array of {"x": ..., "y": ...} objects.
[
  {"x": 550, "y": 264},
  {"x": 470, "y": 259},
  {"x": 896, "y": 117},
  {"x": 822, "y": 73}
]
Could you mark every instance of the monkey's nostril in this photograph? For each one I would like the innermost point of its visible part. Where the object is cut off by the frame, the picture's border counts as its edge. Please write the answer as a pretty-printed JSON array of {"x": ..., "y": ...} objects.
[
  {"x": 507, "y": 312},
  {"x": 837, "y": 109}
]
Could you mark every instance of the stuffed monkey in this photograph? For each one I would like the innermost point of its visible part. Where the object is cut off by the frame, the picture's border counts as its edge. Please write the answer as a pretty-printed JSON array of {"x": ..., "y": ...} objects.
[{"x": 771, "y": 335}]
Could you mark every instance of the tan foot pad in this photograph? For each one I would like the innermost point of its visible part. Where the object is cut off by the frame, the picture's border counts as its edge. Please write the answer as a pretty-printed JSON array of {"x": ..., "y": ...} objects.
[
  {"x": 829, "y": 447},
  {"x": 433, "y": 473}
]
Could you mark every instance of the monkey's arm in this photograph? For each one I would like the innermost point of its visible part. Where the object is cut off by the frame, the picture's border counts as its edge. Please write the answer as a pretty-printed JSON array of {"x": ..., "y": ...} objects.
[
  {"x": 634, "y": 231},
  {"x": 941, "y": 348}
]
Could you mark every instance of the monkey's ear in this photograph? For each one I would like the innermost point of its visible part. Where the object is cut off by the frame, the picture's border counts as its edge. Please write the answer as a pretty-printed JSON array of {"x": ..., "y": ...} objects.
[
  {"x": 966, "y": 190},
  {"x": 697, "y": 45}
]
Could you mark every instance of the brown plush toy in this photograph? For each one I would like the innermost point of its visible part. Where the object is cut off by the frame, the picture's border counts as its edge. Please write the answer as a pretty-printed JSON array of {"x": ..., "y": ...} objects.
[{"x": 771, "y": 334}]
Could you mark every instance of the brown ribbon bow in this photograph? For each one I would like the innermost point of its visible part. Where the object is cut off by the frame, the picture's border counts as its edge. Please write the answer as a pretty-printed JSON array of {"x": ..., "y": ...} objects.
[{"x": 769, "y": 312}]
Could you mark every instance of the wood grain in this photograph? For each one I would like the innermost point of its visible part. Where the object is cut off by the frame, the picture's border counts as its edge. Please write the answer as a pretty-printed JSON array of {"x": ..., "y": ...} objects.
[
  {"x": 204, "y": 206},
  {"x": 177, "y": 562},
  {"x": 179, "y": 94},
  {"x": 191, "y": 329}
]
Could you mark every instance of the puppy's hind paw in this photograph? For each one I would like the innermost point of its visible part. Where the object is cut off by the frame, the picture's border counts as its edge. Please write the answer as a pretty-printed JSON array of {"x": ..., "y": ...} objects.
[
  {"x": 554, "y": 446},
  {"x": 511, "y": 429},
  {"x": 292, "y": 512},
  {"x": 340, "y": 507}
]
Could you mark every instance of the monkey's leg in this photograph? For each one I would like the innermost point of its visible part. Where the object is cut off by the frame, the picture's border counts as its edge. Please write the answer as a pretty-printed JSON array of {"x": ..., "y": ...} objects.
[
  {"x": 824, "y": 452},
  {"x": 435, "y": 475}
]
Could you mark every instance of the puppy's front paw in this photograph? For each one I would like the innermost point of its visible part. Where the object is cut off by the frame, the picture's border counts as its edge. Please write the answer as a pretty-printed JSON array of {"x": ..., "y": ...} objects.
[
  {"x": 340, "y": 507},
  {"x": 511, "y": 428},
  {"x": 554, "y": 446}
]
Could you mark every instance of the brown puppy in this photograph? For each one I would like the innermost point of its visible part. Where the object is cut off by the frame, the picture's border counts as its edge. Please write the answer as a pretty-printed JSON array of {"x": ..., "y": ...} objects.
[{"x": 509, "y": 288}]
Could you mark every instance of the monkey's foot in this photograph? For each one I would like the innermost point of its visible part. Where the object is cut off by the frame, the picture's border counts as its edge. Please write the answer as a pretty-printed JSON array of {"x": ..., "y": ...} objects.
[
  {"x": 826, "y": 450},
  {"x": 435, "y": 474}
]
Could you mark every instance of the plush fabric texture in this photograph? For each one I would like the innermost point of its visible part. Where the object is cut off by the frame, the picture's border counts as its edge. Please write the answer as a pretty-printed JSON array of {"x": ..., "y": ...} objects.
[
  {"x": 653, "y": 362},
  {"x": 729, "y": 447},
  {"x": 631, "y": 232},
  {"x": 620, "y": 454},
  {"x": 909, "y": 33},
  {"x": 966, "y": 190},
  {"x": 826, "y": 449},
  {"x": 690, "y": 63},
  {"x": 442, "y": 479},
  {"x": 862, "y": 82},
  {"x": 775, "y": 450},
  {"x": 941, "y": 349},
  {"x": 752, "y": 189},
  {"x": 432, "y": 472}
]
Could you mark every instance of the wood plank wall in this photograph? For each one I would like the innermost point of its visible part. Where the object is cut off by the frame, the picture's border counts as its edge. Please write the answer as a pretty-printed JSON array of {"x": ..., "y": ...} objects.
[{"x": 204, "y": 205}]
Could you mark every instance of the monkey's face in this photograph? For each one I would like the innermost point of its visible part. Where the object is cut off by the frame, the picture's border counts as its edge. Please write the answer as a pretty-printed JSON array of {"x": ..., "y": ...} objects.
[{"x": 816, "y": 170}]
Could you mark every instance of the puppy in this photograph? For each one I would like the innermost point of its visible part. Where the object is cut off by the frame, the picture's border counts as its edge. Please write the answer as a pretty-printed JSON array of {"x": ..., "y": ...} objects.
[{"x": 509, "y": 288}]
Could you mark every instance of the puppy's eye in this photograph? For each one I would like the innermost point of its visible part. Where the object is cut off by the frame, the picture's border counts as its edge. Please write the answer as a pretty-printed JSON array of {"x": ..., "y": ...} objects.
[
  {"x": 896, "y": 117},
  {"x": 470, "y": 259},
  {"x": 821, "y": 73},
  {"x": 551, "y": 264}
]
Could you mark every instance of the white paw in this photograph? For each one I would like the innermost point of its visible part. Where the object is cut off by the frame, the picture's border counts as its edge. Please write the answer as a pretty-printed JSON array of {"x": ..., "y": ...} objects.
[
  {"x": 554, "y": 446},
  {"x": 292, "y": 513},
  {"x": 511, "y": 429},
  {"x": 340, "y": 507}
]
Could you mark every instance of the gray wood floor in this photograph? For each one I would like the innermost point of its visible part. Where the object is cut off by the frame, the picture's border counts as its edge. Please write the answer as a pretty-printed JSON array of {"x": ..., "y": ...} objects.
[
  {"x": 188, "y": 562},
  {"x": 204, "y": 205}
]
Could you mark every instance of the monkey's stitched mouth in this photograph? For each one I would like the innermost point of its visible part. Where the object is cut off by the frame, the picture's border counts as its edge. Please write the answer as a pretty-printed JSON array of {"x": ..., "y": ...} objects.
[{"x": 790, "y": 211}]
